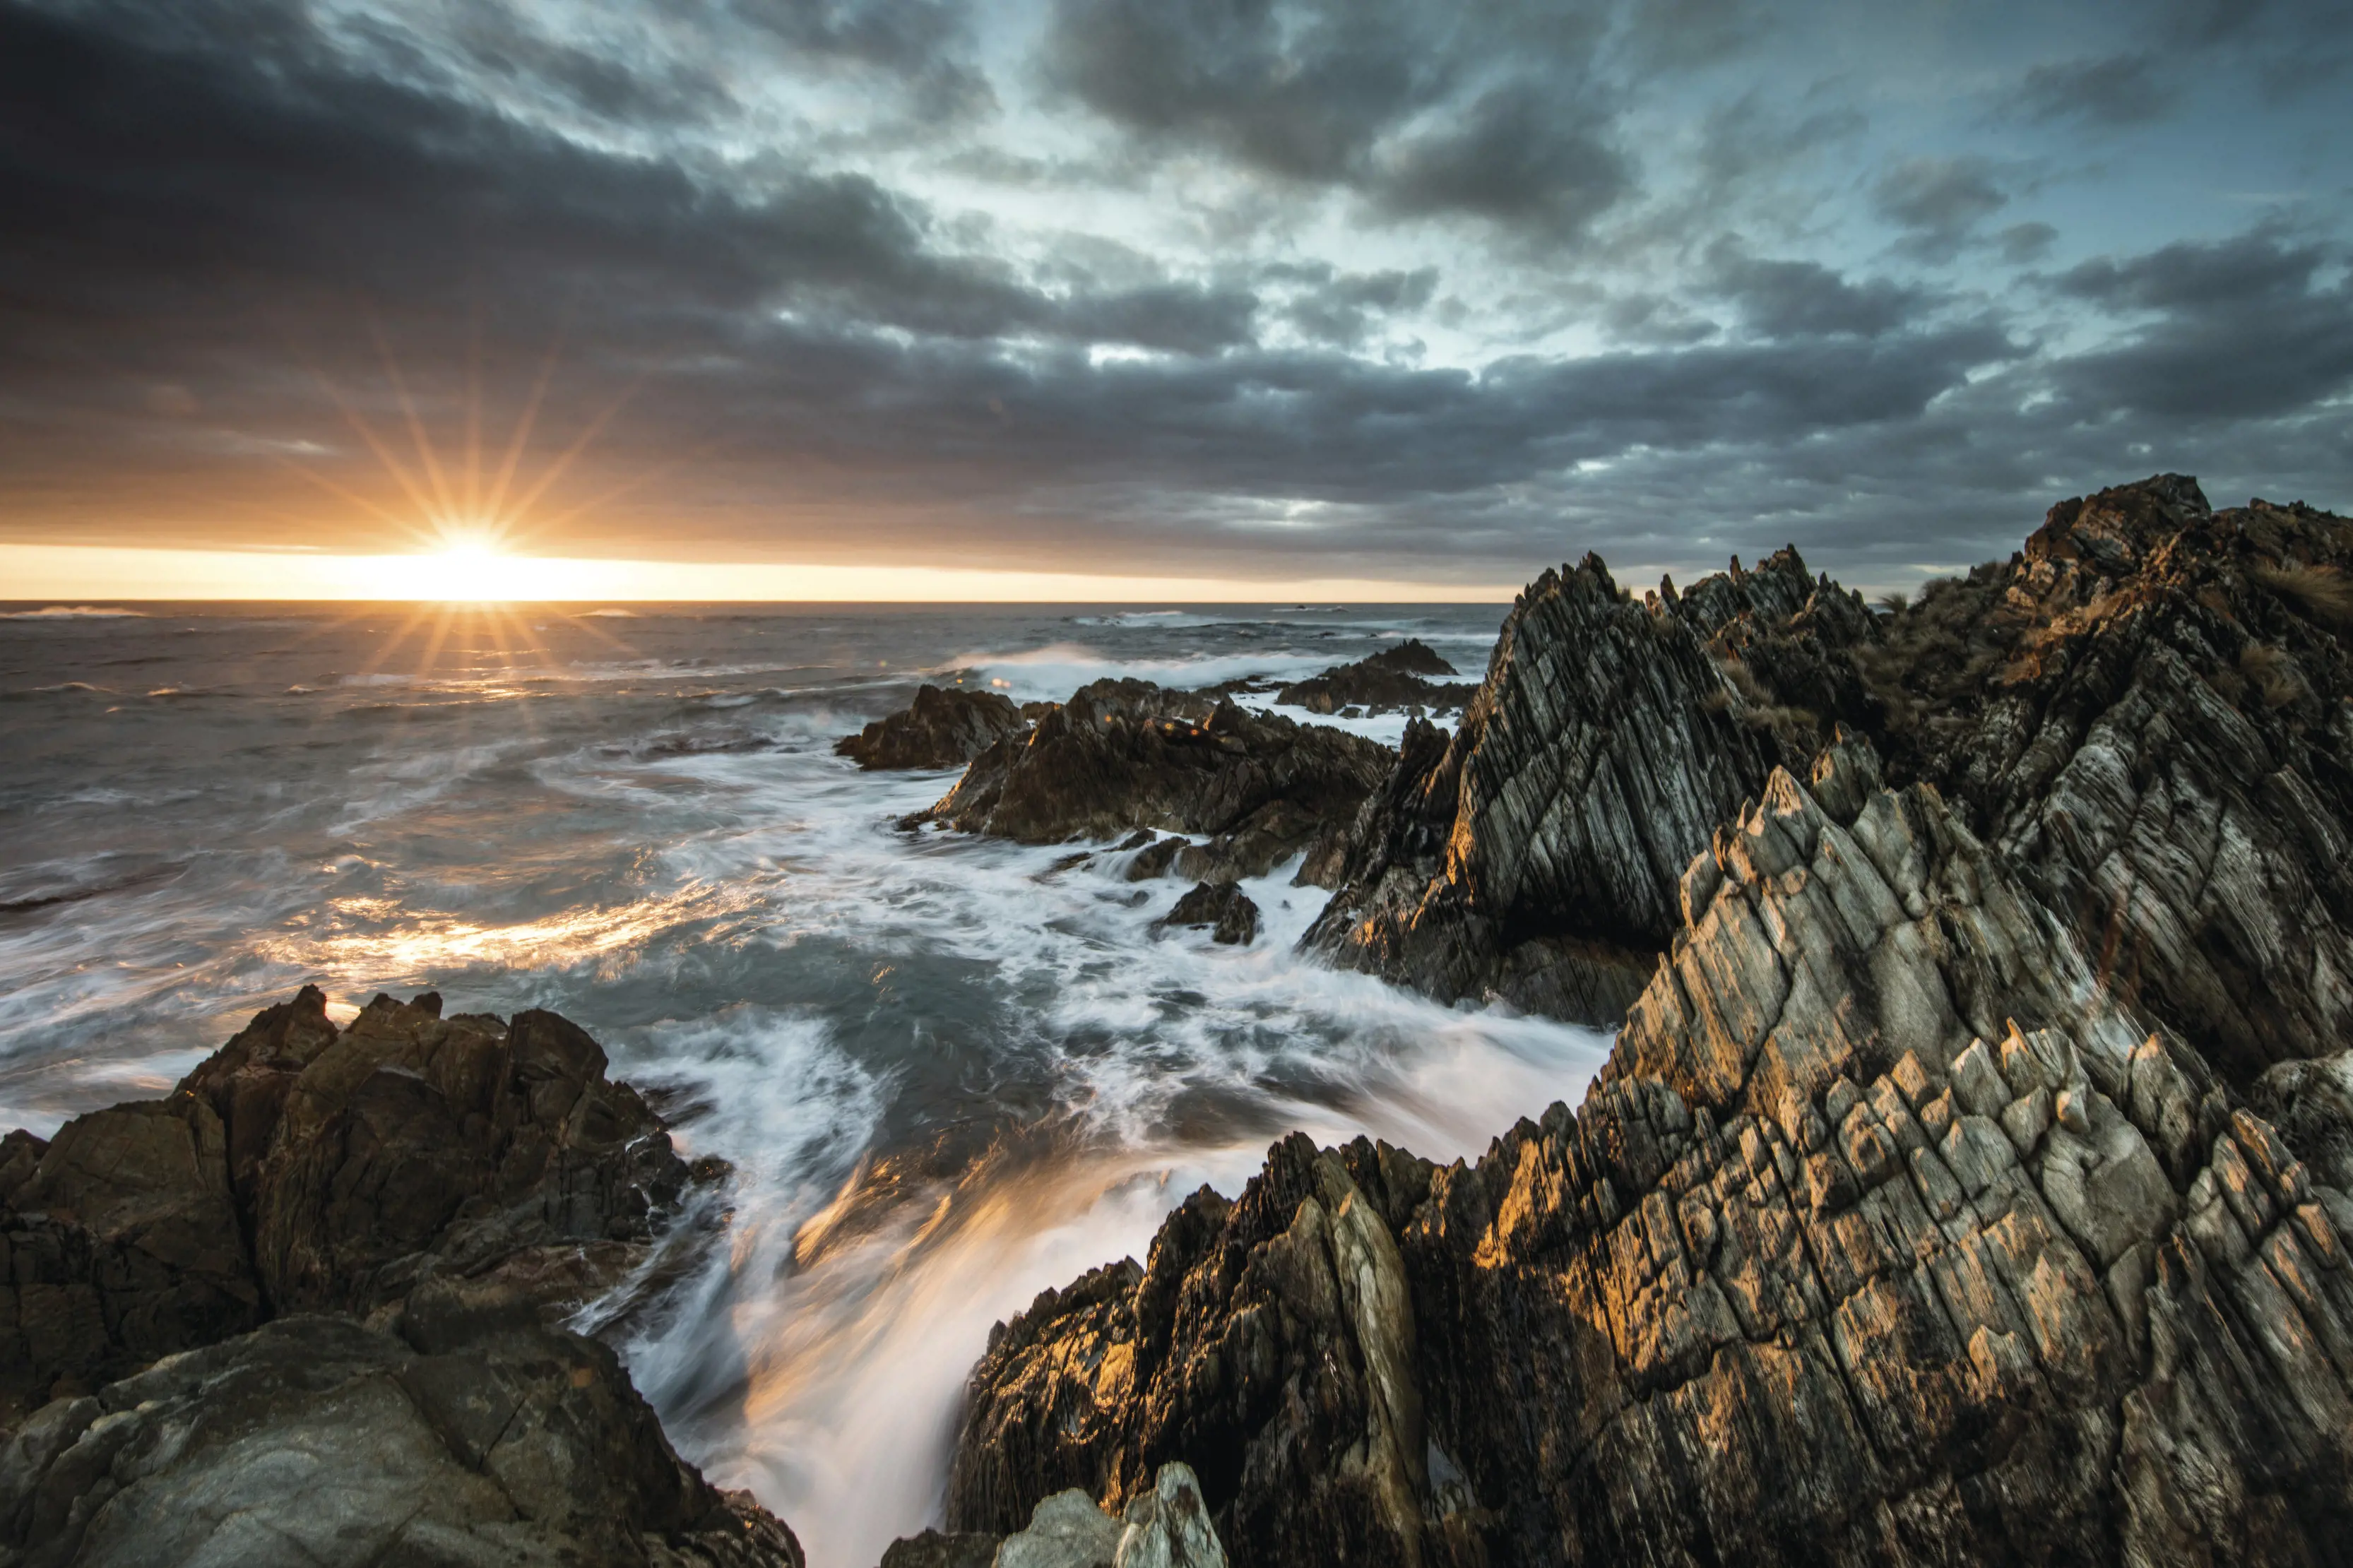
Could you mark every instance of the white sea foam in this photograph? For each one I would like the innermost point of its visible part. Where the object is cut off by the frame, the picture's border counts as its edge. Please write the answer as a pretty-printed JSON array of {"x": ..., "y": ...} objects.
[
  {"x": 73, "y": 613},
  {"x": 823, "y": 1369}
]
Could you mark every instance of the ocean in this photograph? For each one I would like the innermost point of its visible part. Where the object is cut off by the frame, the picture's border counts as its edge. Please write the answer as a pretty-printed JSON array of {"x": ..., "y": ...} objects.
[{"x": 949, "y": 1071}]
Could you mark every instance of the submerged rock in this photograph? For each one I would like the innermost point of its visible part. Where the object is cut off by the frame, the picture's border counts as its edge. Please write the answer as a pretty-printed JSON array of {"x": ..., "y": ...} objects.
[
  {"x": 460, "y": 1183},
  {"x": 1125, "y": 755},
  {"x": 1393, "y": 679},
  {"x": 944, "y": 727},
  {"x": 1225, "y": 908}
]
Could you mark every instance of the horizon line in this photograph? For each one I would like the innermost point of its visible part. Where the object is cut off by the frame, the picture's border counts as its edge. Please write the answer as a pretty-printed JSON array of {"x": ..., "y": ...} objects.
[{"x": 54, "y": 575}]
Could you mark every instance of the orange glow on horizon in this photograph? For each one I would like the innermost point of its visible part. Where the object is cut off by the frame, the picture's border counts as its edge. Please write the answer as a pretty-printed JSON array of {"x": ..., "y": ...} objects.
[{"x": 477, "y": 569}]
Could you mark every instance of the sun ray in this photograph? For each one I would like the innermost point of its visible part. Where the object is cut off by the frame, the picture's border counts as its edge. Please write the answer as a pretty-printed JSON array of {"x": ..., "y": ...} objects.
[
  {"x": 384, "y": 454},
  {"x": 523, "y": 426},
  {"x": 474, "y": 409},
  {"x": 555, "y": 469},
  {"x": 409, "y": 411}
]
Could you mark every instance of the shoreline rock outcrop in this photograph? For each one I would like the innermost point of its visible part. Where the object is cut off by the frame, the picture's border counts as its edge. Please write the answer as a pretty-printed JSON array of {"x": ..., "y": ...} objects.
[
  {"x": 1947, "y": 1196},
  {"x": 304, "y": 1309},
  {"x": 1123, "y": 755},
  {"x": 1408, "y": 678},
  {"x": 944, "y": 727},
  {"x": 1534, "y": 855}
]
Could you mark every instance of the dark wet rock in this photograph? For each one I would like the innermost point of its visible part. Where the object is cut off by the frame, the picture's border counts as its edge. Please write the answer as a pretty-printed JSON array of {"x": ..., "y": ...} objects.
[
  {"x": 1124, "y": 755},
  {"x": 1153, "y": 859},
  {"x": 944, "y": 727},
  {"x": 407, "y": 1144},
  {"x": 1889, "y": 1234},
  {"x": 1394, "y": 679},
  {"x": 463, "y": 1182},
  {"x": 465, "y": 1436},
  {"x": 121, "y": 1244},
  {"x": 942, "y": 1549},
  {"x": 1534, "y": 854},
  {"x": 1220, "y": 907}
]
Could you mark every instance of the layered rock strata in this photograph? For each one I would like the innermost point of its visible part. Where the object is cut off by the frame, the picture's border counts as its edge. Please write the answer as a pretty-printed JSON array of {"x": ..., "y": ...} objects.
[
  {"x": 1534, "y": 854},
  {"x": 1124, "y": 755},
  {"x": 944, "y": 727},
  {"x": 450, "y": 1186},
  {"x": 1889, "y": 1234},
  {"x": 1404, "y": 678},
  {"x": 2150, "y": 711}
]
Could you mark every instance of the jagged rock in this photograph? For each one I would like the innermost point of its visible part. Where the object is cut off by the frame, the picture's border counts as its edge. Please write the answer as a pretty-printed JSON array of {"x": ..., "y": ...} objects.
[
  {"x": 406, "y": 1144},
  {"x": 121, "y": 1244},
  {"x": 1125, "y": 755},
  {"x": 1168, "y": 1527},
  {"x": 941, "y": 1548},
  {"x": 1220, "y": 906},
  {"x": 944, "y": 727},
  {"x": 1836, "y": 1264},
  {"x": 2149, "y": 712},
  {"x": 471, "y": 1436},
  {"x": 1387, "y": 681},
  {"x": 1535, "y": 854},
  {"x": 460, "y": 1180}
]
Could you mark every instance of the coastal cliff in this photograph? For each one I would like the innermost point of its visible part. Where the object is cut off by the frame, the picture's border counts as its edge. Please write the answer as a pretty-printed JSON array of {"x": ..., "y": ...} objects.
[{"x": 1950, "y": 1195}]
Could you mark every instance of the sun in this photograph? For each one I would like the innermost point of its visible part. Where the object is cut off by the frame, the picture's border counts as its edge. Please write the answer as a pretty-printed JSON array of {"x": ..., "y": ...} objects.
[{"x": 470, "y": 564}]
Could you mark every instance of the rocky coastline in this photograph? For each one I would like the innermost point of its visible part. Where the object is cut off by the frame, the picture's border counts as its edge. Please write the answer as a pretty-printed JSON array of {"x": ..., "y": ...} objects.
[
  {"x": 1967, "y": 1183},
  {"x": 1971, "y": 1180},
  {"x": 308, "y": 1308}
]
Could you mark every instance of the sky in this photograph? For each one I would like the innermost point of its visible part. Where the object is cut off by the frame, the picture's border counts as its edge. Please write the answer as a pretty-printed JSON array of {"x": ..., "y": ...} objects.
[{"x": 1224, "y": 298}]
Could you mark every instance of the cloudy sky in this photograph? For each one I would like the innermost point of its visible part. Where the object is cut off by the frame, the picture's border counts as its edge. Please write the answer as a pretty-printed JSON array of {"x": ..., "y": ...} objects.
[{"x": 1431, "y": 293}]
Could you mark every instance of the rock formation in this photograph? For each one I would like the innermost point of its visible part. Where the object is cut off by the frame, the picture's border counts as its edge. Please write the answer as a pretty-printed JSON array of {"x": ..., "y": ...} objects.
[
  {"x": 1166, "y": 1525},
  {"x": 1969, "y": 1181},
  {"x": 1222, "y": 908},
  {"x": 1887, "y": 1236},
  {"x": 458, "y": 1435},
  {"x": 451, "y": 1187},
  {"x": 2150, "y": 711},
  {"x": 944, "y": 727},
  {"x": 1392, "y": 681},
  {"x": 1125, "y": 755},
  {"x": 1534, "y": 854}
]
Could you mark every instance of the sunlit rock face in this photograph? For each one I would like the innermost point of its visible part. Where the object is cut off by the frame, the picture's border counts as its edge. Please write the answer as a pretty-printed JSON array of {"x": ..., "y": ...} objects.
[
  {"x": 2149, "y": 712},
  {"x": 1534, "y": 854},
  {"x": 1889, "y": 1234},
  {"x": 1969, "y": 1180}
]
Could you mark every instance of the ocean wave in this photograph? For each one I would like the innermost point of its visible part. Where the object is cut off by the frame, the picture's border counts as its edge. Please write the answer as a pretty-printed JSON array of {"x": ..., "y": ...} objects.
[
  {"x": 73, "y": 613},
  {"x": 1051, "y": 673}
]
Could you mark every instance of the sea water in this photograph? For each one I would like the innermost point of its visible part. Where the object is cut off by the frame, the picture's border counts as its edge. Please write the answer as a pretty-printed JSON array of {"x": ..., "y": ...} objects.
[{"x": 949, "y": 1071}]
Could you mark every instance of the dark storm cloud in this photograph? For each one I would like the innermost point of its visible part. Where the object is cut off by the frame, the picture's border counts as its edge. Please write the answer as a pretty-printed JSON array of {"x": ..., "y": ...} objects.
[
  {"x": 1499, "y": 113},
  {"x": 1938, "y": 202},
  {"x": 2241, "y": 329},
  {"x": 1805, "y": 299},
  {"x": 2112, "y": 90},
  {"x": 1675, "y": 336},
  {"x": 1340, "y": 308}
]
